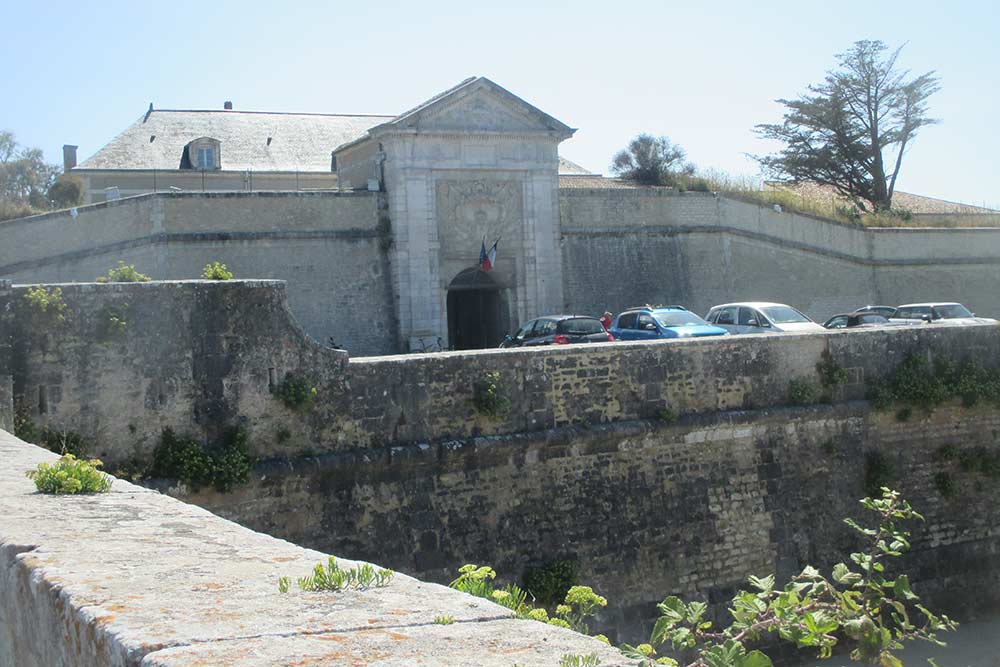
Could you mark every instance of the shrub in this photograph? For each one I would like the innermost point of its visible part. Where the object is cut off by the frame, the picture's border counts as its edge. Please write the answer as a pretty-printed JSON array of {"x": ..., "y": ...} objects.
[
  {"x": 70, "y": 475},
  {"x": 66, "y": 191},
  {"x": 831, "y": 374},
  {"x": 11, "y": 210},
  {"x": 216, "y": 271},
  {"x": 945, "y": 484},
  {"x": 487, "y": 397},
  {"x": 63, "y": 442},
  {"x": 444, "y": 620},
  {"x": 223, "y": 466},
  {"x": 46, "y": 305},
  {"x": 297, "y": 392},
  {"x": 878, "y": 473},
  {"x": 550, "y": 582},
  {"x": 668, "y": 415},
  {"x": 802, "y": 391},
  {"x": 915, "y": 383},
  {"x": 123, "y": 273}
]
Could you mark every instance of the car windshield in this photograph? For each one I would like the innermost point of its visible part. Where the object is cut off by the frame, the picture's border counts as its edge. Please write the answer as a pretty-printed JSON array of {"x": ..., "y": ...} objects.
[
  {"x": 581, "y": 326},
  {"x": 872, "y": 319},
  {"x": 678, "y": 318},
  {"x": 951, "y": 311},
  {"x": 784, "y": 315}
]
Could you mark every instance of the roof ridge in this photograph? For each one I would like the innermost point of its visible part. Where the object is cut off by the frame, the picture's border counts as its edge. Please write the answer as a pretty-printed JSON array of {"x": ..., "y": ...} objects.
[{"x": 277, "y": 113}]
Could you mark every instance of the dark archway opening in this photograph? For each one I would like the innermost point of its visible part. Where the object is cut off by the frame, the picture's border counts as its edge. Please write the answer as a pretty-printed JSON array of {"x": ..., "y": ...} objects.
[{"x": 478, "y": 316}]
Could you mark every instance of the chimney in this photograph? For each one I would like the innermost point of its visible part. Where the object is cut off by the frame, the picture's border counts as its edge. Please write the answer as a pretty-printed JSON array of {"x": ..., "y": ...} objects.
[
  {"x": 227, "y": 105},
  {"x": 69, "y": 157}
]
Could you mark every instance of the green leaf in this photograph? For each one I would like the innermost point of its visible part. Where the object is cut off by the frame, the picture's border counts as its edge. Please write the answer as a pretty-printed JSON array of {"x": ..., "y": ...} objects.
[
  {"x": 695, "y": 611},
  {"x": 765, "y": 585},
  {"x": 672, "y": 608},
  {"x": 756, "y": 659},
  {"x": 902, "y": 588}
]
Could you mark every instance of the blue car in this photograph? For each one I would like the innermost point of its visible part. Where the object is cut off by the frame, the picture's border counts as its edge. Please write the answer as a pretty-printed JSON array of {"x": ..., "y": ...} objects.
[{"x": 666, "y": 322}]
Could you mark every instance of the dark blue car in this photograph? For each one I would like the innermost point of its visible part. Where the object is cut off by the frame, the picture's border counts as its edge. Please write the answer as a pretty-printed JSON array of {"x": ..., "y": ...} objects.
[{"x": 665, "y": 322}]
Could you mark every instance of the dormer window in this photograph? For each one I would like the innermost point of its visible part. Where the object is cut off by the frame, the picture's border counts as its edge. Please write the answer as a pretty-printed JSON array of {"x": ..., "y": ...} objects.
[
  {"x": 206, "y": 158},
  {"x": 202, "y": 154}
]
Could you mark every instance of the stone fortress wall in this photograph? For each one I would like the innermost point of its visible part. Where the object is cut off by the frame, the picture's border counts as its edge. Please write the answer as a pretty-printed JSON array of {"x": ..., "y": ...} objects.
[
  {"x": 619, "y": 248},
  {"x": 325, "y": 245},
  {"x": 628, "y": 247},
  {"x": 394, "y": 463},
  {"x": 132, "y": 578}
]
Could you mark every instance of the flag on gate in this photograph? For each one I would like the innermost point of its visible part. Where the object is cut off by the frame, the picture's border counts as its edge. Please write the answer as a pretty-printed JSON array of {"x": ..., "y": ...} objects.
[
  {"x": 487, "y": 258},
  {"x": 491, "y": 256},
  {"x": 484, "y": 260}
]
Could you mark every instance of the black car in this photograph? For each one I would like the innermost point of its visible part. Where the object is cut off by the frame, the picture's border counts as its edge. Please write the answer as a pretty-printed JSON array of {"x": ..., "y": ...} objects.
[
  {"x": 857, "y": 319},
  {"x": 559, "y": 330},
  {"x": 884, "y": 311}
]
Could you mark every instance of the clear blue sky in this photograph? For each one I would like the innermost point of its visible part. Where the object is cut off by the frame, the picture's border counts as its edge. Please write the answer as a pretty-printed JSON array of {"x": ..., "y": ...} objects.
[{"x": 701, "y": 73}]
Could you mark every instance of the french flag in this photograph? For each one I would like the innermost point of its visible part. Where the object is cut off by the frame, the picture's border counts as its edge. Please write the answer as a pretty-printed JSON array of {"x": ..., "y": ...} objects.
[{"x": 487, "y": 258}]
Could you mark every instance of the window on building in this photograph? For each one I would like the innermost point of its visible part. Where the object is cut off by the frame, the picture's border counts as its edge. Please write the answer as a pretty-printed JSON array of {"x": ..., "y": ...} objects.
[
  {"x": 203, "y": 154},
  {"x": 206, "y": 158}
]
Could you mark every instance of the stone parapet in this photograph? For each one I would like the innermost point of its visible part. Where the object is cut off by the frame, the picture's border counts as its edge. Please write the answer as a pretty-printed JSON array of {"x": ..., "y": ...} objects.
[{"x": 133, "y": 578}]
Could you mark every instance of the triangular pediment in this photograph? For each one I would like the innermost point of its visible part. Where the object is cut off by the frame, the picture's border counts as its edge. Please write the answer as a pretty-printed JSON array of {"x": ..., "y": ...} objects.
[{"x": 480, "y": 106}]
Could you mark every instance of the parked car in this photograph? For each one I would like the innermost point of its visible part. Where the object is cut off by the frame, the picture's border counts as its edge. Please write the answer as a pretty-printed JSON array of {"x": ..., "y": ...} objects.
[
  {"x": 858, "y": 320},
  {"x": 759, "y": 317},
  {"x": 950, "y": 312},
  {"x": 884, "y": 311},
  {"x": 649, "y": 323},
  {"x": 558, "y": 330}
]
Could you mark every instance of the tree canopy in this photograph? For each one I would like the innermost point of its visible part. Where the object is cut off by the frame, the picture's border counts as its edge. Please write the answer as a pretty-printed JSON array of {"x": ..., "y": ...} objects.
[
  {"x": 24, "y": 175},
  {"x": 850, "y": 132},
  {"x": 651, "y": 161}
]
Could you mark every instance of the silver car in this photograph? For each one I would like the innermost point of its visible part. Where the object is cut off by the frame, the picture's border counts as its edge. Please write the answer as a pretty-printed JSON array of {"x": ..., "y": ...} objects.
[
  {"x": 937, "y": 312},
  {"x": 759, "y": 317}
]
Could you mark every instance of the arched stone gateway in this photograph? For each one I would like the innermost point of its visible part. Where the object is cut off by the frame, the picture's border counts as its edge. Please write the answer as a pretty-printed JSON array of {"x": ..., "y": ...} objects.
[{"x": 478, "y": 313}]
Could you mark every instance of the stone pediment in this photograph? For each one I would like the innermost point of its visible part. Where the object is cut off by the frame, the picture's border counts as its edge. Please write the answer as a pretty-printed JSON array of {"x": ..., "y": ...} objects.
[{"x": 479, "y": 105}]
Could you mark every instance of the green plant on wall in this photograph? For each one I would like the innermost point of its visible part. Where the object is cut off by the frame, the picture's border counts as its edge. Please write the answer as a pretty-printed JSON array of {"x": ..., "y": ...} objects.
[
  {"x": 857, "y": 605},
  {"x": 24, "y": 425},
  {"x": 579, "y": 603},
  {"x": 335, "y": 578},
  {"x": 112, "y": 323},
  {"x": 216, "y": 271},
  {"x": 831, "y": 375},
  {"x": 46, "y": 306},
  {"x": 916, "y": 383},
  {"x": 224, "y": 465},
  {"x": 487, "y": 396},
  {"x": 297, "y": 392},
  {"x": 952, "y": 463},
  {"x": 878, "y": 472},
  {"x": 549, "y": 583},
  {"x": 802, "y": 391},
  {"x": 63, "y": 441},
  {"x": 123, "y": 273},
  {"x": 70, "y": 475}
]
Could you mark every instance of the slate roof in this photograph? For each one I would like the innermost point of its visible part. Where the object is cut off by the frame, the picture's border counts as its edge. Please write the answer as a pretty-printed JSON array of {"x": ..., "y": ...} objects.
[
  {"x": 570, "y": 168},
  {"x": 299, "y": 141}
]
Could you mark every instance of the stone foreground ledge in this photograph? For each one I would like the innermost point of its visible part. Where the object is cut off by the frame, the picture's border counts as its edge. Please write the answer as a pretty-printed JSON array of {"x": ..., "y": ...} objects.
[{"x": 133, "y": 578}]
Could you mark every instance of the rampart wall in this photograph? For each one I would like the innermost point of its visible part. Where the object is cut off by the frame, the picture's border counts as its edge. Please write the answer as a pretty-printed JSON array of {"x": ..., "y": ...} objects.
[
  {"x": 620, "y": 247},
  {"x": 325, "y": 245},
  {"x": 132, "y": 578},
  {"x": 393, "y": 462},
  {"x": 628, "y": 247}
]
